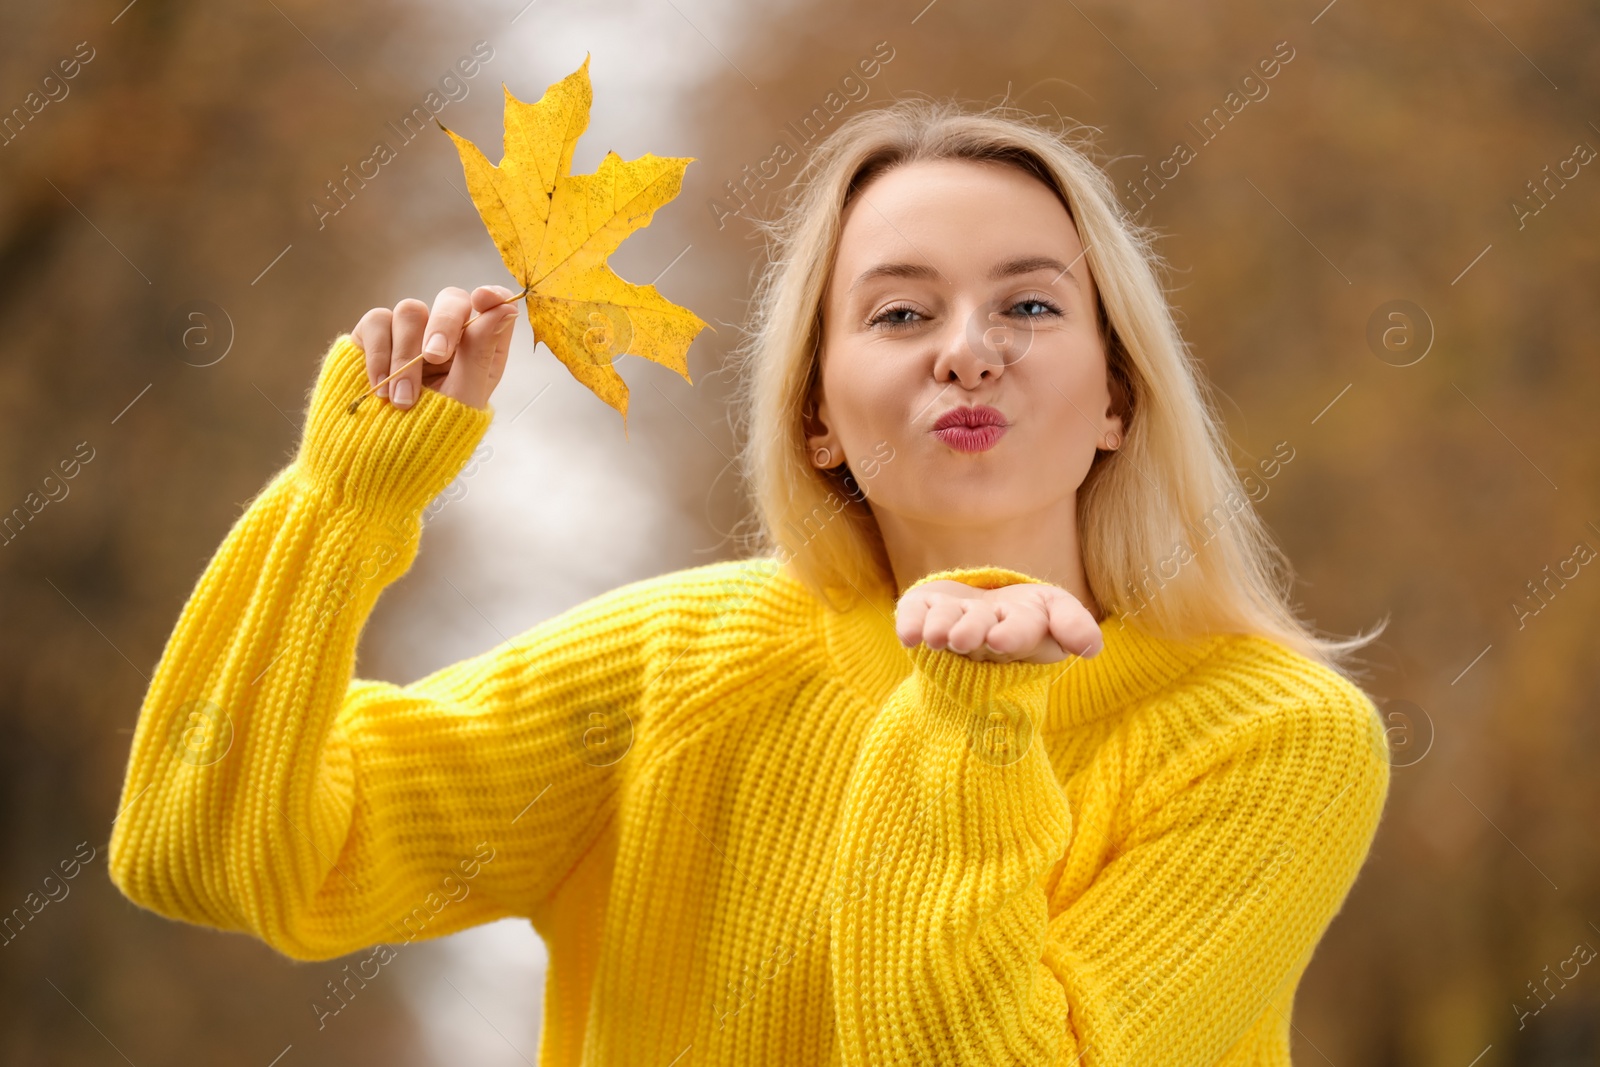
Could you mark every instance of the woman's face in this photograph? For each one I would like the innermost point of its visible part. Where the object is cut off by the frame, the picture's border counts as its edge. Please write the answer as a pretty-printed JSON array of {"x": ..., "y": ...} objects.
[{"x": 957, "y": 285}]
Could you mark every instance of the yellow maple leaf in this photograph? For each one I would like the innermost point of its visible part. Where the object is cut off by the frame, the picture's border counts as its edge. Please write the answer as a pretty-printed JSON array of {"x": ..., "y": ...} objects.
[{"x": 555, "y": 229}]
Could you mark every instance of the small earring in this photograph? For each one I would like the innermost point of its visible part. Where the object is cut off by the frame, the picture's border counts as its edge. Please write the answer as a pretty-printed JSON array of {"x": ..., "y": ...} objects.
[
  {"x": 1113, "y": 441},
  {"x": 823, "y": 457}
]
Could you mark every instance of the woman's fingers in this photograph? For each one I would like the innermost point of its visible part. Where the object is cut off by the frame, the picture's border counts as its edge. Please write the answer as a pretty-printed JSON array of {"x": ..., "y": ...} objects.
[
  {"x": 1074, "y": 628},
  {"x": 1035, "y": 624},
  {"x": 969, "y": 633},
  {"x": 1022, "y": 627},
  {"x": 451, "y": 308},
  {"x": 939, "y": 617},
  {"x": 410, "y": 316},
  {"x": 957, "y": 623},
  {"x": 374, "y": 336},
  {"x": 434, "y": 333},
  {"x": 480, "y": 357},
  {"x": 434, "y": 347}
]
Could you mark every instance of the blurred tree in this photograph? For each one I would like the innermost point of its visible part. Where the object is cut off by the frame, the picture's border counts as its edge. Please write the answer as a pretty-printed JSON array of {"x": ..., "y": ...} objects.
[{"x": 178, "y": 164}]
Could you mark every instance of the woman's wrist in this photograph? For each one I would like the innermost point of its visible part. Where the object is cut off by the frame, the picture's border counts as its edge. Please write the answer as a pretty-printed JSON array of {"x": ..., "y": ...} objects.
[{"x": 379, "y": 457}]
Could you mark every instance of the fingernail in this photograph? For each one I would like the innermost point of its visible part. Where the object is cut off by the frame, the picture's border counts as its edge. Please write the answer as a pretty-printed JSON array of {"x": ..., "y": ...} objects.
[
  {"x": 402, "y": 392},
  {"x": 435, "y": 345},
  {"x": 383, "y": 390}
]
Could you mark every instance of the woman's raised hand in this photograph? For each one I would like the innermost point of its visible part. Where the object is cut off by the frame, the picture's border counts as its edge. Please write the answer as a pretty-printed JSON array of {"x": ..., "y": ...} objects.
[
  {"x": 460, "y": 361},
  {"x": 1028, "y": 622}
]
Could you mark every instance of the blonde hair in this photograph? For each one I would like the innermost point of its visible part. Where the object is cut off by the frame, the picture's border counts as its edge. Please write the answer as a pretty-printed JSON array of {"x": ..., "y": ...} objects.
[{"x": 1137, "y": 506}]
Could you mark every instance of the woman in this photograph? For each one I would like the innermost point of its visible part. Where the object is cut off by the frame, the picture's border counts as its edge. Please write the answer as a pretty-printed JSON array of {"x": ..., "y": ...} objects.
[{"x": 1005, "y": 747}]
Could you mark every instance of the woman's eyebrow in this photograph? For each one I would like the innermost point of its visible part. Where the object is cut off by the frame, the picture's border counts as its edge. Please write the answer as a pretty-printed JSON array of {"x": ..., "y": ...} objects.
[
  {"x": 894, "y": 270},
  {"x": 1029, "y": 264},
  {"x": 1004, "y": 269}
]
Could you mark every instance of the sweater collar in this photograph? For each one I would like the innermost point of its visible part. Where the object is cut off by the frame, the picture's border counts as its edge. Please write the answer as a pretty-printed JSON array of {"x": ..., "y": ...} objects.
[{"x": 862, "y": 645}]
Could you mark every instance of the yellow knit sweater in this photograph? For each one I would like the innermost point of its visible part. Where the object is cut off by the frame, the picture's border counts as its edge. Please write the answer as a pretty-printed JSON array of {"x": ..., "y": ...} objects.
[{"x": 751, "y": 829}]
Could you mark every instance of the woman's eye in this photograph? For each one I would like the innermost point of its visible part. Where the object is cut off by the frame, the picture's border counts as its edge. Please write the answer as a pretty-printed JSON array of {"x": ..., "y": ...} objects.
[
  {"x": 1048, "y": 308},
  {"x": 889, "y": 317},
  {"x": 896, "y": 317}
]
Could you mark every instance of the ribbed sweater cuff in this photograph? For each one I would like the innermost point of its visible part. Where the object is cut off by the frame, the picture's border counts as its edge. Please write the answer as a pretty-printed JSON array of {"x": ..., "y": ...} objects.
[
  {"x": 380, "y": 458},
  {"x": 995, "y": 707},
  {"x": 989, "y": 705}
]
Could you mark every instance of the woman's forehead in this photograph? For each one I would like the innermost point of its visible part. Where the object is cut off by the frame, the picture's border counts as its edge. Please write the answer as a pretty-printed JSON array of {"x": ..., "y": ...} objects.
[{"x": 946, "y": 220}]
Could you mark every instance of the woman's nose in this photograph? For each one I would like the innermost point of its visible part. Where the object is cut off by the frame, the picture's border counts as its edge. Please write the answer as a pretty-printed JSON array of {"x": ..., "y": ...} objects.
[{"x": 979, "y": 344}]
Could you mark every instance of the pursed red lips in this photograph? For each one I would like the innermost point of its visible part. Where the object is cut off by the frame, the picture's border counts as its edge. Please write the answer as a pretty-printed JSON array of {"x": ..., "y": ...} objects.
[{"x": 970, "y": 429}]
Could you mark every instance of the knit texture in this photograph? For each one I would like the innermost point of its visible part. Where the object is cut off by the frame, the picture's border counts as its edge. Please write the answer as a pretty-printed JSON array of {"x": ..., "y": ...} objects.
[{"x": 751, "y": 829}]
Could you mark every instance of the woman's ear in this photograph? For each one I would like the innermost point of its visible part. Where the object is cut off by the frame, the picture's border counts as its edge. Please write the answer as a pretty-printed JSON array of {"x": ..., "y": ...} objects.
[
  {"x": 822, "y": 449},
  {"x": 1119, "y": 411},
  {"x": 1111, "y": 433},
  {"x": 1114, "y": 425}
]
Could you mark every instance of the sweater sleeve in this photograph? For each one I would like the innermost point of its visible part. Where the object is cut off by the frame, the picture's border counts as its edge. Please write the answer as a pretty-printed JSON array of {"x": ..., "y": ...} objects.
[
  {"x": 268, "y": 791},
  {"x": 946, "y": 946}
]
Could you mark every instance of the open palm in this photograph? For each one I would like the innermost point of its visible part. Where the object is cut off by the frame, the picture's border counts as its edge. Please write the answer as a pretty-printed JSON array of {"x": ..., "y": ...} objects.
[{"x": 1029, "y": 623}]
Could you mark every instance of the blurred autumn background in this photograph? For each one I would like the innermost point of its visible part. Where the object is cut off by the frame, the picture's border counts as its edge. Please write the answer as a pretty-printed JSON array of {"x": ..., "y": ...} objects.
[{"x": 1349, "y": 260}]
